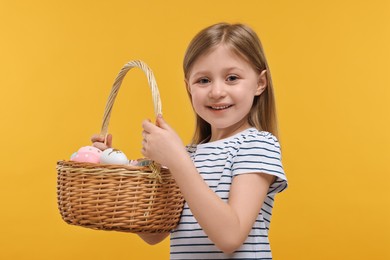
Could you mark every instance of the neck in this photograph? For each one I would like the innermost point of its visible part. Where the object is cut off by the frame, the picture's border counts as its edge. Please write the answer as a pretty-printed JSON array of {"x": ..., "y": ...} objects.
[{"x": 218, "y": 134}]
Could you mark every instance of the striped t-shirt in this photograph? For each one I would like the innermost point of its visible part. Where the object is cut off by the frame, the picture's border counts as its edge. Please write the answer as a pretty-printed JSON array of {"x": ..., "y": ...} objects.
[{"x": 218, "y": 162}]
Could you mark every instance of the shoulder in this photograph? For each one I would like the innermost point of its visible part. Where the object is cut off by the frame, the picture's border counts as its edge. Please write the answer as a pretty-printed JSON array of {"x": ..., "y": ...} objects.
[
  {"x": 257, "y": 134},
  {"x": 259, "y": 151},
  {"x": 255, "y": 139}
]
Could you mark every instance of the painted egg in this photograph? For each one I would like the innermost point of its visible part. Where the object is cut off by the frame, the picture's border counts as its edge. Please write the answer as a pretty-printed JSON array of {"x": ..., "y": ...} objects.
[
  {"x": 133, "y": 162},
  {"x": 144, "y": 162},
  {"x": 73, "y": 156},
  {"x": 113, "y": 156},
  {"x": 87, "y": 154}
]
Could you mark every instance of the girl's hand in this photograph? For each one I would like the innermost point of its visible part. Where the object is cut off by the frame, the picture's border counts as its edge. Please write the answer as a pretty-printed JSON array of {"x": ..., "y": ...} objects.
[
  {"x": 161, "y": 143},
  {"x": 98, "y": 141}
]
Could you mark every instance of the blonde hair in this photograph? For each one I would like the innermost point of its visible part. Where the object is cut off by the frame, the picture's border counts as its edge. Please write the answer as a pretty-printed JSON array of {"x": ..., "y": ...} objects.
[{"x": 244, "y": 42}]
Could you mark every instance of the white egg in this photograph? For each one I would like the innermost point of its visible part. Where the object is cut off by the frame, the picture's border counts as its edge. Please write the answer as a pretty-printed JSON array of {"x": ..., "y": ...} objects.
[{"x": 113, "y": 156}]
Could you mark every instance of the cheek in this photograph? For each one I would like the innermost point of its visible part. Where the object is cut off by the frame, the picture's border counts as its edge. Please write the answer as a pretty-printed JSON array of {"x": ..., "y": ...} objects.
[
  {"x": 245, "y": 102},
  {"x": 196, "y": 97},
  {"x": 245, "y": 96},
  {"x": 196, "y": 101}
]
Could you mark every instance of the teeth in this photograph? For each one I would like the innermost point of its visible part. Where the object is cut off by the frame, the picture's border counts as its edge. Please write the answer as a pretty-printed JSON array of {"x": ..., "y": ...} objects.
[{"x": 220, "y": 108}]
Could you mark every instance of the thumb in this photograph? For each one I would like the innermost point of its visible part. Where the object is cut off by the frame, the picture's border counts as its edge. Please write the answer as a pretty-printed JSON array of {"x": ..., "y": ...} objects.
[
  {"x": 109, "y": 140},
  {"x": 160, "y": 122}
]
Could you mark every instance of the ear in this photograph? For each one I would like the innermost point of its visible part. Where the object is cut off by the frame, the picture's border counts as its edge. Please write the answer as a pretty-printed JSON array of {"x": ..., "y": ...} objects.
[
  {"x": 187, "y": 86},
  {"x": 261, "y": 83}
]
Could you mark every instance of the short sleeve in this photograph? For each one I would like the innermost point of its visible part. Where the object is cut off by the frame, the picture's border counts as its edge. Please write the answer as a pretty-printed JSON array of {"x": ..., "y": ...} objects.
[{"x": 260, "y": 152}]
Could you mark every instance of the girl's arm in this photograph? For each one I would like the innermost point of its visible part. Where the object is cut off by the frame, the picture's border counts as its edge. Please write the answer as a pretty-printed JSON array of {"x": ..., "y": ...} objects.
[
  {"x": 226, "y": 224},
  {"x": 153, "y": 239}
]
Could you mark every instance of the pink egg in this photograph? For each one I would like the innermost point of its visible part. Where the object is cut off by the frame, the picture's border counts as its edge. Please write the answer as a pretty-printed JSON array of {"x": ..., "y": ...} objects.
[{"x": 87, "y": 154}]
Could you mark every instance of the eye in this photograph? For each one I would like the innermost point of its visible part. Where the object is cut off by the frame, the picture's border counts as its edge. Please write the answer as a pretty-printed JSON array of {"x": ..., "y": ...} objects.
[
  {"x": 232, "y": 78},
  {"x": 203, "y": 81}
]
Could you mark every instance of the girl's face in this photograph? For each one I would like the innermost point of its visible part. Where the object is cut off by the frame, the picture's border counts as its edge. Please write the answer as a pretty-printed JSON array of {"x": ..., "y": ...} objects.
[{"x": 222, "y": 86}]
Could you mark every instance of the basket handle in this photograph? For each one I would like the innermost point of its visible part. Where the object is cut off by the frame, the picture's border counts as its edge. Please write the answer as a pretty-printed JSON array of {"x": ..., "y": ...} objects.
[{"x": 118, "y": 82}]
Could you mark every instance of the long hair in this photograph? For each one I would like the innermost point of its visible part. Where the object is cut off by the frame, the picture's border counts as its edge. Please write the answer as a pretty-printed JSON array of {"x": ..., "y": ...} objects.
[{"x": 244, "y": 42}]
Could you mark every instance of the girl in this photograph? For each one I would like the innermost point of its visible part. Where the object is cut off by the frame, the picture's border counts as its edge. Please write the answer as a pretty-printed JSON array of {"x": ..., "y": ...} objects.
[{"x": 231, "y": 172}]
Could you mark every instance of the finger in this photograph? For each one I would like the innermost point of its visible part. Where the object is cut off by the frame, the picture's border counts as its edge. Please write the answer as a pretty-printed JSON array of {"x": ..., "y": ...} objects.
[
  {"x": 100, "y": 145},
  {"x": 144, "y": 133},
  {"x": 143, "y": 151},
  {"x": 109, "y": 140},
  {"x": 148, "y": 126},
  {"x": 97, "y": 138},
  {"x": 144, "y": 142},
  {"x": 161, "y": 123}
]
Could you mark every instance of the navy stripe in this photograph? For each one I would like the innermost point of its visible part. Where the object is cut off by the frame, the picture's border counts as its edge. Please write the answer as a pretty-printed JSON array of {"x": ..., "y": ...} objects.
[
  {"x": 190, "y": 229},
  {"x": 258, "y": 170},
  {"x": 269, "y": 205},
  {"x": 210, "y": 167},
  {"x": 269, "y": 213},
  {"x": 257, "y": 236},
  {"x": 214, "y": 252},
  {"x": 208, "y": 160},
  {"x": 222, "y": 191},
  {"x": 252, "y": 141},
  {"x": 179, "y": 245},
  {"x": 276, "y": 189},
  {"x": 191, "y": 236},
  {"x": 260, "y": 148},
  {"x": 209, "y": 154},
  {"x": 259, "y": 155},
  {"x": 255, "y": 162},
  {"x": 188, "y": 223},
  {"x": 258, "y": 228},
  {"x": 223, "y": 183}
]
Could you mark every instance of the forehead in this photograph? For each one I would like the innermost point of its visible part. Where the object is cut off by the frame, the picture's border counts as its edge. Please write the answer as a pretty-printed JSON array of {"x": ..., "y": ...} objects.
[{"x": 220, "y": 56}]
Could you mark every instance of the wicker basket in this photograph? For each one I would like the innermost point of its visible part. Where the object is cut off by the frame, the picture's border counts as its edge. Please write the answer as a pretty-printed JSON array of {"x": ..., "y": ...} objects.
[{"x": 118, "y": 197}]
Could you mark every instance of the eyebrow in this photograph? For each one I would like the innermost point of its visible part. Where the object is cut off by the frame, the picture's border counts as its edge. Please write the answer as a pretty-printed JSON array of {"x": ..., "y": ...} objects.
[{"x": 202, "y": 72}]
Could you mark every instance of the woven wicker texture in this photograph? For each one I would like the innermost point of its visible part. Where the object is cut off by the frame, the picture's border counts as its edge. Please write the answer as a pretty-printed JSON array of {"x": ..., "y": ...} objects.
[{"x": 117, "y": 197}]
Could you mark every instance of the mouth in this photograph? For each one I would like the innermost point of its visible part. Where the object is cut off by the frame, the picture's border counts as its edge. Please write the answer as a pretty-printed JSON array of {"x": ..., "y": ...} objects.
[{"x": 220, "y": 107}]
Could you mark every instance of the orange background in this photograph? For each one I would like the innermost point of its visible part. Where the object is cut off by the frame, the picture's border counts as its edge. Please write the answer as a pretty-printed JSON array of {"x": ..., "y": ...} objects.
[{"x": 330, "y": 63}]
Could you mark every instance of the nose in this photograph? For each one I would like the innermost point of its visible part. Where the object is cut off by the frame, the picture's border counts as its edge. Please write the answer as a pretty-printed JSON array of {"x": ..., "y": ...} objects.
[{"x": 217, "y": 90}]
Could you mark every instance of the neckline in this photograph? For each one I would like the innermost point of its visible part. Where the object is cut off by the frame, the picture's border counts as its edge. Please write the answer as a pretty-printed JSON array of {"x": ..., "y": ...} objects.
[{"x": 225, "y": 139}]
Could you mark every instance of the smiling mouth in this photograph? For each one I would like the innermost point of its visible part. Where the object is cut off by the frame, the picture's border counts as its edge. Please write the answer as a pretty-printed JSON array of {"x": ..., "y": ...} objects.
[{"x": 220, "y": 107}]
